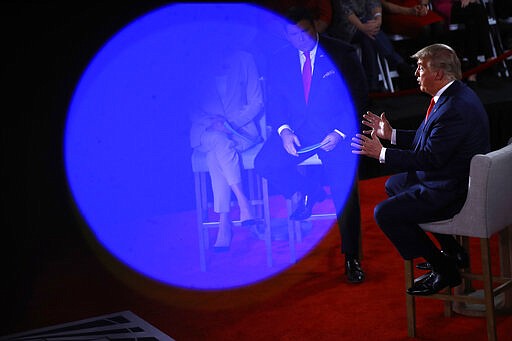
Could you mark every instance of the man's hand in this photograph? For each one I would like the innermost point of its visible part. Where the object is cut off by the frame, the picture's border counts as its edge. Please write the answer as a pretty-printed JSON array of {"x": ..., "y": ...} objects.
[
  {"x": 330, "y": 141},
  {"x": 378, "y": 124},
  {"x": 369, "y": 146},
  {"x": 290, "y": 140}
]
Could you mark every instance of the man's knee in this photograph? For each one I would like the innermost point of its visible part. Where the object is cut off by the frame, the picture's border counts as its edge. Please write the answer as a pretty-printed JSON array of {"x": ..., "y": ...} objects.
[
  {"x": 394, "y": 184},
  {"x": 384, "y": 215},
  {"x": 388, "y": 187}
]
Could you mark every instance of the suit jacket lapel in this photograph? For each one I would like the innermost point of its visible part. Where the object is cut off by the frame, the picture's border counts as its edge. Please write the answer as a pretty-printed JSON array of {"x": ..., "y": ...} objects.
[
  {"x": 437, "y": 110},
  {"x": 295, "y": 81},
  {"x": 321, "y": 69}
]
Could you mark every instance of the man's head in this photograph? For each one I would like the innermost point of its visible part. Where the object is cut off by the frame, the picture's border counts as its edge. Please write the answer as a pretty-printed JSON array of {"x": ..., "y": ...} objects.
[
  {"x": 437, "y": 65},
  {"x": 300, "y": 29}
]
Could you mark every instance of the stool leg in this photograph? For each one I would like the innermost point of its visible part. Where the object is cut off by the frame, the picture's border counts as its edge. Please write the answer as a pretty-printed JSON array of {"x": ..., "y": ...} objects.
[
  {"x": 467, "y": 286},
  {"x": 505, "y": 239},
  {"x": 488, "y": 289},
  {"x": 298, "y": 231},
  {"x": 291, "y": 231},
  {"x": 409, "y": 299},
  {"x": 266, "y": 215},
  {"x": 198, "y": 178},
  {"x": 382, "y": 73}
]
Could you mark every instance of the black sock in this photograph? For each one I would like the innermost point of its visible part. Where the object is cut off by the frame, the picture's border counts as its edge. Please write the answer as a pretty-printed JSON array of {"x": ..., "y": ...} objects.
[
  {"x": 350, "y": 257},
  {"x": 449, "y": 244}
]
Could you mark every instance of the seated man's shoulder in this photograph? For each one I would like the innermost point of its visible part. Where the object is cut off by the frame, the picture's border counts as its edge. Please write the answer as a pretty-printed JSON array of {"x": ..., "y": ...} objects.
[{"x": 339, "y": 45}]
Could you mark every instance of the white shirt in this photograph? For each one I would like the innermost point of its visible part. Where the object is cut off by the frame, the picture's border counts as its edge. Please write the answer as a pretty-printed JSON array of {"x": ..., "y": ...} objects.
[{"x": 302, "y": 58}]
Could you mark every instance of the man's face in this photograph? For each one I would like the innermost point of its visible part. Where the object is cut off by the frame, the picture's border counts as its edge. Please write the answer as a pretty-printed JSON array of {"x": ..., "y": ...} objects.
[
  {"x": 427, "y": 77},
  {"x": 302, "y": 35}
]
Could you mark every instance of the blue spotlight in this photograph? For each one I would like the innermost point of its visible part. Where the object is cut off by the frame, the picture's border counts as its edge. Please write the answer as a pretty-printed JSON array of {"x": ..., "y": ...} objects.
[{"x": 127, "y": 151}]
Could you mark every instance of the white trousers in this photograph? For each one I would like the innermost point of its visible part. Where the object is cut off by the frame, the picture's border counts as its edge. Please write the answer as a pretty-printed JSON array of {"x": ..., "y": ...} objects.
[{"x": 223, "y": 164}]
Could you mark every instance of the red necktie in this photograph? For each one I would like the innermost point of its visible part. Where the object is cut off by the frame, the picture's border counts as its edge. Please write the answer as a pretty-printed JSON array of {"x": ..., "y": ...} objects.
[
  {"x": 431, "y": 105},
  {"x": 306, "y": 75}
]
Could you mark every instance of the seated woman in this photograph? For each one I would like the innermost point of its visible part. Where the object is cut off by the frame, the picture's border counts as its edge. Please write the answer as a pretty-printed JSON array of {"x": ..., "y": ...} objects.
[
  {"x": 359, "y": 22},
  {"x": 223, "y": 125},
  {"x": 475, "y": 35},
  {"x": 414, "y": 19}
]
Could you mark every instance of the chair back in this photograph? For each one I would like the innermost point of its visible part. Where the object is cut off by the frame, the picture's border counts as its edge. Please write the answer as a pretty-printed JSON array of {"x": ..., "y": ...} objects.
[
  {"x": 492, "y": 194},
  {"x": 488, "y": 206}
]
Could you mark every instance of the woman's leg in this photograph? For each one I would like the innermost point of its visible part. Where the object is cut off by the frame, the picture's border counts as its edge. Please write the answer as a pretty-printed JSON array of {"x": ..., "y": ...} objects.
[
  {"x": 246, "y": 211},
  {"x": 221, "y": 200},
  {"x": 224, "y": 168}
]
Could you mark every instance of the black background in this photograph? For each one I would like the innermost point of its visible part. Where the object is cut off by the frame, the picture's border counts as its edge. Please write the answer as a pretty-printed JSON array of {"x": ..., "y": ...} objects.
[{"x": 46, "y": 45}]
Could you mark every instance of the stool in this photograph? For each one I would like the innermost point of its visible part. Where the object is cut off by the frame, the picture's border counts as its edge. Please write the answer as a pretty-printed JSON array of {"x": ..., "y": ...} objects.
[
  {"x": 487, "y": 211},
  {"x": 258, "y": 197}
]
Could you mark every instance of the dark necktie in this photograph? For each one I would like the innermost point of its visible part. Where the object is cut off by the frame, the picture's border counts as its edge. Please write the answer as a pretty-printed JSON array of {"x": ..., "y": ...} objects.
[
  {"x": 431, "y": 105},
  {"x": 306, "y": 75}
]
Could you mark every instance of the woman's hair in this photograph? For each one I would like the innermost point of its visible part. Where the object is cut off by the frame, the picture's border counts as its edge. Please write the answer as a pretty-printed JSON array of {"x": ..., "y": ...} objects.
[{"x": 443, "y": 57}]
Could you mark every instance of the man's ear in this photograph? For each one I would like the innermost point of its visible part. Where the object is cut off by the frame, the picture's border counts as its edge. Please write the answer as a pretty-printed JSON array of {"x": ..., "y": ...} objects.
[{"x": 439, "y": 75}]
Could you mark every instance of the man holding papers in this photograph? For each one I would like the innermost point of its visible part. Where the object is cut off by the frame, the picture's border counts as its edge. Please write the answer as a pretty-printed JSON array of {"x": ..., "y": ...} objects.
[{"x": 312, "y": 111}]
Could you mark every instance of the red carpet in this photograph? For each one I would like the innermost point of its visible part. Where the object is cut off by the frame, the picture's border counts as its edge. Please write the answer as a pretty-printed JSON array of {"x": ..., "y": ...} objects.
[{"x": 309, "y": 301}]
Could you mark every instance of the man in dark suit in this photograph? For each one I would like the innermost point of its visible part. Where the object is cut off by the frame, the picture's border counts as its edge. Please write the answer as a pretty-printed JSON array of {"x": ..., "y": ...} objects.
[
  {"x": 435, "y": 161},
  {"x": 320, "y": 110}
]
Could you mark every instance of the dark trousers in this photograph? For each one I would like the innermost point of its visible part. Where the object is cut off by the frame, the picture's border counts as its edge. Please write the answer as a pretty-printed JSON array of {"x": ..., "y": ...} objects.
[
  {"x": 475, "y": 38},
  {"x": 280, "y": 169},
  {"x": 410, "y": 204},
  {"x": 369, "y": 49}
]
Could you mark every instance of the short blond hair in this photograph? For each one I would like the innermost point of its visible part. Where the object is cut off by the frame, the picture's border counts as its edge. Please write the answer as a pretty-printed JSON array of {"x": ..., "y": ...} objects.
[{"x": 441, "y": 56}]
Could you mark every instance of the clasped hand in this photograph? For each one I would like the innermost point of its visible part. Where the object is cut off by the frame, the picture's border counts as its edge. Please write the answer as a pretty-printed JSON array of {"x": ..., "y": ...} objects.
[
  {"x": 371, "y": 145},
  {"x": 371, "y": 28},
  {"x": 217, "y": 124},
  {"x": 420, "y": 10},
  {"x": 465, "y": 3}
]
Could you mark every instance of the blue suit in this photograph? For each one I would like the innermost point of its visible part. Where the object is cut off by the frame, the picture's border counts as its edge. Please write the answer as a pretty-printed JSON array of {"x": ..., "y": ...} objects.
[
  {"x": 435, "y": 161},
  {"x": 331, "y": 105}
]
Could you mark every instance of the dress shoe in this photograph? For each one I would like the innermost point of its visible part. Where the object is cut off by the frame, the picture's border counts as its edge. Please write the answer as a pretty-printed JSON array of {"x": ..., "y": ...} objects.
[
  {"x": 444, "y": 273},
  {"x": 305, "y": 205},
  {"x": 220, "y": 249},
  {"x": 353, "y": 271},
  {"x": 435, "y": 282},
  {"x": 223, "y": 247},
  {"x": 461, "y": 259},
  {"x": 422, "y": 278}
]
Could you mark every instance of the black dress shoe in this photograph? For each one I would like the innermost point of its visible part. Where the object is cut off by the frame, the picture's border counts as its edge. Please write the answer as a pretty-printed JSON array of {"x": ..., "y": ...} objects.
[
  {"x": 461, "y": 259},
  {"x": 434, "y": 283},
  {"x": 422, "y": 278},
  {"x": 353, "y": 271},
  {"x": 305, "y": 205}
]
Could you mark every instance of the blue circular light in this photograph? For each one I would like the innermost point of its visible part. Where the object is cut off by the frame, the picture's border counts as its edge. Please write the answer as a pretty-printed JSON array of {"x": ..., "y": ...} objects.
[{"x": 127, "y": 151}]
